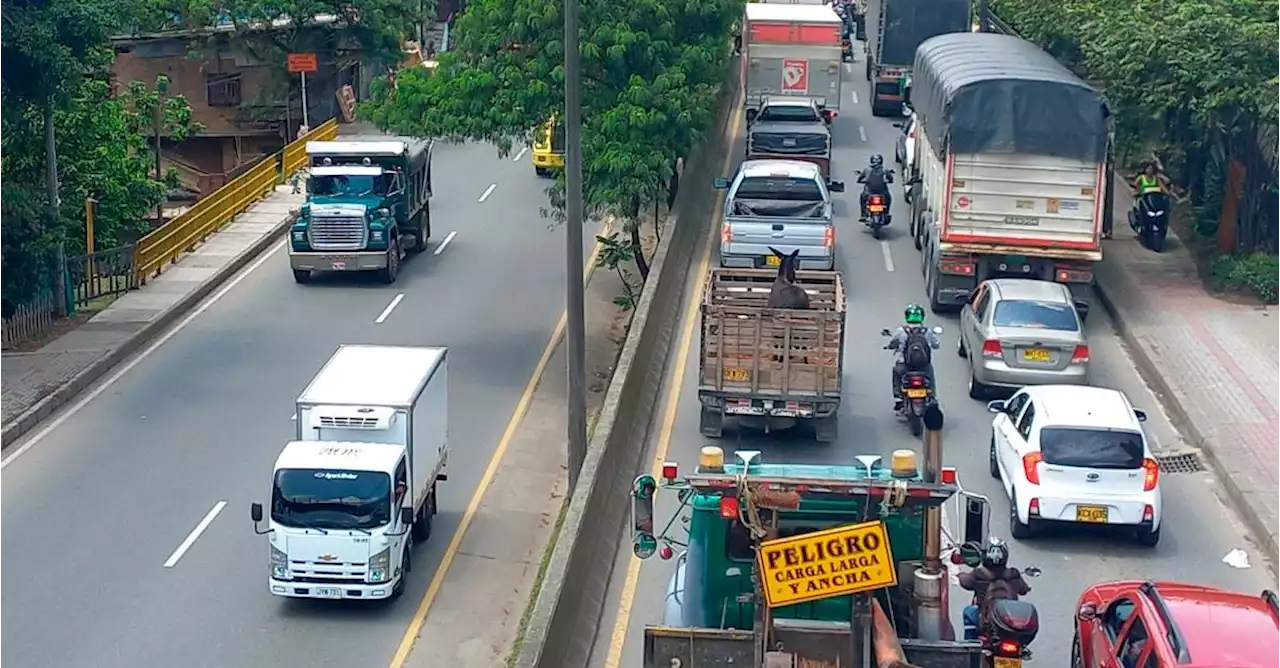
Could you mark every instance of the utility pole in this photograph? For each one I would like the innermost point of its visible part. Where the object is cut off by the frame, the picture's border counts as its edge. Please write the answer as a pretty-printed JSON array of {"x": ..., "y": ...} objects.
[
  {"x": 574, "y": 309},
  {"x": 51, "y": 185}
]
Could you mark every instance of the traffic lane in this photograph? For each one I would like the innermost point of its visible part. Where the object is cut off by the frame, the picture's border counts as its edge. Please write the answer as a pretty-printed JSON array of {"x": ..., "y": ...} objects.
[{"x": 202, "y": 420}]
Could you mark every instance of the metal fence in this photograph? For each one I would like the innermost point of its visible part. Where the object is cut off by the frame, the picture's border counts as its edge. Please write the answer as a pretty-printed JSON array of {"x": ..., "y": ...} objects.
[{"x": 101, "y": 274}]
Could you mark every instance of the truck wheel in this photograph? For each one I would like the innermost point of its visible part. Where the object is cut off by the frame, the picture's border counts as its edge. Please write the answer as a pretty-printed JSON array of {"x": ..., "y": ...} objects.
[
  {"x": 422, "y": 523},
  {"x": 419, "y": 239},
  {"x": 826, "y": 429},
  {"x": 406, "y": 564},
  {"x": 711, "y": 423},
  {"x": 302, "y": 276},
  {"x": 392, "y": 270},
  {"x": 873, "y": 91},
  {"x": 542, "y": 172},
  {"x": 931, "y": 289}
]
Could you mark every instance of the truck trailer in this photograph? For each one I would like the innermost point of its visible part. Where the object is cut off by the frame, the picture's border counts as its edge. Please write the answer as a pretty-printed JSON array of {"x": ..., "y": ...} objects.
[
  {"x": 894, "y": 29},
  {"x": 356, "y": 489},
  {"x": 791, "y": 50},
  {"x": 1011, "y": 164}
]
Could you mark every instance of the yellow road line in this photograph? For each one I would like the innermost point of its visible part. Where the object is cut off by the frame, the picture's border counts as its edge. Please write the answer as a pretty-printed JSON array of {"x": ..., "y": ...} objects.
[
  {"x": 522, "y": 406},
  {"x": 619, "y": 637}
]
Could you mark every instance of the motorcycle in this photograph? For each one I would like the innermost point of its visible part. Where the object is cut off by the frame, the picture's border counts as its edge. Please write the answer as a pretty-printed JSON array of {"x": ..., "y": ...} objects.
[
  {"x": 917, "y": 393},
  {"x": 1150, "y": 220},
  {"x": 1010, "y": 626},
  {"x": 877, "y": 205}
]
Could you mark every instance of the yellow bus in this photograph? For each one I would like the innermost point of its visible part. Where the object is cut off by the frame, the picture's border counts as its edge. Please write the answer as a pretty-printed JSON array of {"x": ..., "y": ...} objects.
[{"x": 548, "y": 147}]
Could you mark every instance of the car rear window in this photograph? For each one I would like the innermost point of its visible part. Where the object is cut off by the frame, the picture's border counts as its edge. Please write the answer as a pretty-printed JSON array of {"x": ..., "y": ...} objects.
[
  {"x": 1091, "y": 448},
  {"x": 787, "y": 114},
  {"x": 784, "y": 188},
  {"x": 1036, "y": 315}
]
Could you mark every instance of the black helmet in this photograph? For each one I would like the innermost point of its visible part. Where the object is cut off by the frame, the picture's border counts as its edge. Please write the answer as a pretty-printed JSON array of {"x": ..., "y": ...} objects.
[
  {"x": 996, "y": 554},
  {"x": 877, "y": 161}
]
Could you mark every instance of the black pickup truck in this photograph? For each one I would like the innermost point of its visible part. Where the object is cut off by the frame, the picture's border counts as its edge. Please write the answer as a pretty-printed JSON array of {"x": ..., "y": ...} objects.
[{"x": 791, "y": 128}]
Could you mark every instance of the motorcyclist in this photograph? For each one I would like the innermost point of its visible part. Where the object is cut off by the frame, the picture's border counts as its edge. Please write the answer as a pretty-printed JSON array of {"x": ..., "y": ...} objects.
[
  {"x": 1149, "y": 181},
  {"x": 913, "y": 318},
  {"x": 993, "y": 580},
  {"x": 875, "y": 180}
]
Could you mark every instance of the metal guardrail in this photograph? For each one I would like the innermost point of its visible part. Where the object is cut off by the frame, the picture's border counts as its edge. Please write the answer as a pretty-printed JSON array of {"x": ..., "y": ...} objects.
[
  {"x": 101, "y": 274},
  {"x": 164, "y": 245}
]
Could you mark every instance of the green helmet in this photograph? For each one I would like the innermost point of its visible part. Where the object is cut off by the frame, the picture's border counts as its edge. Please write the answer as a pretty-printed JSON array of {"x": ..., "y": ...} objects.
[{"x": 914, "y": 314}]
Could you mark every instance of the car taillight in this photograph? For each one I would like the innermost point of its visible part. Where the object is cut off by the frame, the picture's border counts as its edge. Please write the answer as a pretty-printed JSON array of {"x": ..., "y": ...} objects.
[
  {"x": 1009, "y": 648},
  {"x": 829, "y": 237},
  {"x": 1033, "y": 508},
  {"x": 991, "y": 348},
  {"x": 1081, "y": 355},
  {"x": 1151, "y": 476},
  {"x": 1030, "y": 461},
  {"x": 726, "y": 233}
]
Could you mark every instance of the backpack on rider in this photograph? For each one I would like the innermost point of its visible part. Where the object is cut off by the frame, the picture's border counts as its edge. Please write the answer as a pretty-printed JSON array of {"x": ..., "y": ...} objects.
[{"x": 917, "y": 354}]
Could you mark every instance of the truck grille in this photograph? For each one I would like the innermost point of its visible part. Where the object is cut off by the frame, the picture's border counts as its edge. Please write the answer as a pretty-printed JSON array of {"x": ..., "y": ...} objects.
[
  {"x": 337, "y": 233},
  {"x": 327, "y": 573}
]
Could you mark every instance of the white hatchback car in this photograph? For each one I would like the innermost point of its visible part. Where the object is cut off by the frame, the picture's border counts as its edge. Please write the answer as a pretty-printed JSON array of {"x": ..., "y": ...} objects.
[{"x": 1071, "y": 453}]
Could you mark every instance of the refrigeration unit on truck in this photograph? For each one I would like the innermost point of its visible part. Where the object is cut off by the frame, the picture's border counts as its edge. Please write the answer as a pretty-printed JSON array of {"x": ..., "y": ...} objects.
[
  {"x": 1011, "y": 160},
  {"x": 357, "y": 488},
  {"x": 368, "y": 204},
  {"x": 894, "y": 29},
  {"x": 771, "y": 368},
  {"x": 791, "y": 50}
]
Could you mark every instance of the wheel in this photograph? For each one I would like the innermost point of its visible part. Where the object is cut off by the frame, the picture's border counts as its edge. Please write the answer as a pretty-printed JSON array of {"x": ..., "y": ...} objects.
[
  {"x": 423, "y": 520},
  {"x": 392, "y": 270},
  {"x": 406, "y": 564},
  {"x": 419, "y": 234},
  {"x": 426, "y": 224},
  {"x": 918, "y": 237},
  {"x": 869, "y": 75},
  {"x": 826, "y": 430},
  {"x": 916, "y": 424},
  {"x": 960, "y": 348},
  {"x": 1077, "y": 660},
  {"x": 876, "y": 233},
  {"x": 1149, "y": 538},
  {"x": 435, "y": 507},
  {"x": 1016, "y": 528},
  {"x": 976, "y": 389},
  {"x": 935, "y": 306},
  {"x": 1156, "y": 240},
  {"x": 992, "y": 464},
  {"x": 301, "y": 275},
  {"x": 711, "y": 423},
  {"x": 542, "y": 172}
]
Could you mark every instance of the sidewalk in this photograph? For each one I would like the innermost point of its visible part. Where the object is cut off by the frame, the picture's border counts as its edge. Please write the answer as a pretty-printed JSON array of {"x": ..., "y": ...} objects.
[
  {"x": 35, "y": 384},
  {"x": 1213, "y": 363}
]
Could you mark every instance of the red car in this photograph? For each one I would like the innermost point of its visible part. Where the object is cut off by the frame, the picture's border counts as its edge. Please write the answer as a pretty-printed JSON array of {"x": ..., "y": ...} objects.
[{"x": 1135, "y": 624}]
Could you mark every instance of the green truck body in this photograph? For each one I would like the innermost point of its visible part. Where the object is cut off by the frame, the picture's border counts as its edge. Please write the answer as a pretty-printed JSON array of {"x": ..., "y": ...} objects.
[{"x": 368, "y": 205}]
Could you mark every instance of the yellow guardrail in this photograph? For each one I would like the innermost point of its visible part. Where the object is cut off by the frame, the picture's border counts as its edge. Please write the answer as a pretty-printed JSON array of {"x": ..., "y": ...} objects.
[{"x": 163, "y": 246}]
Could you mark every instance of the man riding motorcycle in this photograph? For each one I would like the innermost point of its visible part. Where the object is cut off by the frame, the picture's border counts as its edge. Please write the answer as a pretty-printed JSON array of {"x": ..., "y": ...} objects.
[
  {"x": 913, "y": 317},
  {"x": 991, "y": 581},
  {"x": 875, "y": 181}
]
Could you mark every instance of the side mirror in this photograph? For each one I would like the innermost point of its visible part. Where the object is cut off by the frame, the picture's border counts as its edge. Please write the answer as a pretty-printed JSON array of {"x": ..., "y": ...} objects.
[
  {"x": 643, "y": 542},
  {"x": 885, "y": 332},
  {"x": 897, "y": 125},
  {"x": 1141, "y": 415},
  {"x": 971, "y": 554},
  {"x": 997, "y": 406},
  {"x": 1087, "y": 612},
  {"x": 751, "y": 115},
  {"x": 975, "y": 518},
  {"x": 1082, "y": 308},
  {"x": 255, "y": 512},
  {"x": 406, "y": 515},
  {"x": 836, "y": 186},
  {"x": 720, "y": 183}
]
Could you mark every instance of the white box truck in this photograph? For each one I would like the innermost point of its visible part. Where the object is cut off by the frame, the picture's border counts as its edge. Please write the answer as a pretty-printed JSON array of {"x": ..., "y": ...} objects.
[
  {"x": 1011, "y": 161},
  {"x": 357, "y": 489},
  {"x": 791, "y": 50}
]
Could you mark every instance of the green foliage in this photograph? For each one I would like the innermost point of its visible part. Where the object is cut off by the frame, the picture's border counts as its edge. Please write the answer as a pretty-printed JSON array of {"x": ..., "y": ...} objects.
[
  {"x": 1256, "y": 273},
  {"x": 614, "y": 253}
]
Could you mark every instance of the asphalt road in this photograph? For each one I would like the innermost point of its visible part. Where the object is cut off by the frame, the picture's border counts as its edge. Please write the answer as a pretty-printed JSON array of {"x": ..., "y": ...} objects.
[
  {"x": 881, "y": 277},
  {"x": 93, "y": 511}
]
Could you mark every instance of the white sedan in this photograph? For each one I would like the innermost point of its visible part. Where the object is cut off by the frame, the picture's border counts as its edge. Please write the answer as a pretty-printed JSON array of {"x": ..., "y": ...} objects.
[{"x": 1070, "y": 453}]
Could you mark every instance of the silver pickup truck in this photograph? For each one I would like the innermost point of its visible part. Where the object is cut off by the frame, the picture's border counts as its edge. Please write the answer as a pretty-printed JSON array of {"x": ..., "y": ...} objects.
[{"x": 783, "y": 204}]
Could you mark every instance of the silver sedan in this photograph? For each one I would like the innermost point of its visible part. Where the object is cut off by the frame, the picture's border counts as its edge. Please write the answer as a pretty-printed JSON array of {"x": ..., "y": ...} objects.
[{"x": 1017, "y": 332}]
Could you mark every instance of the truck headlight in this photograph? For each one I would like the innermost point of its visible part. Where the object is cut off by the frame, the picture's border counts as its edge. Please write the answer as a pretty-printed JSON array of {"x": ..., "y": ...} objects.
[
  {"x": 383, "y": 213},
  {"x": 376, "y": 235},
  {"x": 279, "y": 565},
  {"x": 299, "y": 236},
  {"x": 379, "y": 567}
]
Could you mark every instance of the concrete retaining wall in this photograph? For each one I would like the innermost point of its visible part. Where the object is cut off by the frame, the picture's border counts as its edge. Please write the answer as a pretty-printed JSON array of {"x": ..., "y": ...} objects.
[{"x": 572, "y": 599}]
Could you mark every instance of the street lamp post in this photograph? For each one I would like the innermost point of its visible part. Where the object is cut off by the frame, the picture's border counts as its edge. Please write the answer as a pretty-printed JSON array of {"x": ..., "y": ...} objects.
[{"x": 574, "y": 309}]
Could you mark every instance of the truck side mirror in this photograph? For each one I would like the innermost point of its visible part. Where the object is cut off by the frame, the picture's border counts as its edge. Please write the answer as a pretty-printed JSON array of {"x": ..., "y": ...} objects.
[
  {"x": 836, "y": 186},
  {"x": 643, "y": 543},
  {"x": 1082, "y": 308},
  {"x": 406, "y": 515},
  {"x": 975, "y": 519},
  {"x": 1141, "y": 415},
  {"x": 720, "y": 183},
  {"x": 751, "y": 115},
  {"x": 255, "y": 512}
]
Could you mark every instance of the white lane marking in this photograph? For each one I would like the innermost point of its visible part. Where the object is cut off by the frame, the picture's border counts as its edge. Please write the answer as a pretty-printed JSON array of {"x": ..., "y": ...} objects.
[
  {"x": 386, "y": 312},
  {"x": 443, "y": 244},
  {"x": 848, "y": 67},
  {"x": 854, "y": 93},
  {"x": 862, "y": 133},
  {"x": 487, "y": 191},
  {"x": 523, "y": 150},
  {"x": 294, "y": 418},
  {"x": 195, "y": 533},
  {"x": 115, "y": 377},
  {"x": 888, "y": 256}
]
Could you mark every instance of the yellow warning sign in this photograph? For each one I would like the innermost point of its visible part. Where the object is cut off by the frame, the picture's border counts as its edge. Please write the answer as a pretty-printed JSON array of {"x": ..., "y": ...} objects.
[{"x": 822, "y": 564}]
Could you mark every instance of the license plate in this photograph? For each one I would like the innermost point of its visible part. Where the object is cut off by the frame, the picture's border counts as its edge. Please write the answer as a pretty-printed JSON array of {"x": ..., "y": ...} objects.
[
  {"x": 1007, "y": 662},
  {"x": 736, "y": 374},
  {"x": 875, "y": 209},
  {"x": 339, "y": 266},
  {"x": 1091, "y": 514},
  {"x": 1037, "y": 355},
  {"x": 772, "y": 261},
  {"x": 917, "y": 394},
  {"x": 328, "y": 592}
]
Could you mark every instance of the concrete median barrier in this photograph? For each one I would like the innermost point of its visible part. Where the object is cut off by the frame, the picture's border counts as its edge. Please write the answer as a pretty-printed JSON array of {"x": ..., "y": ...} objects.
[{"x": 572, "y": 598}]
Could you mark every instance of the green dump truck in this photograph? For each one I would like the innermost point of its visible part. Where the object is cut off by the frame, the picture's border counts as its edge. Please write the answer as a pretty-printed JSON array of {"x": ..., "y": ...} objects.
[
  {"x": 796, "y": 556},
  {"x": 368, "y": 205}
]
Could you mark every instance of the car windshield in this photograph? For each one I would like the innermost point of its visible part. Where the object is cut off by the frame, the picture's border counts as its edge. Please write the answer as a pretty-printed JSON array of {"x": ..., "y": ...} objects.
[
  {"x": 788, "y": 114},
  {"x": 331, "y": 499},
  {"x": 1036, "y": 315},
  {"x": 779, "y": 188},
  {"x": 350, "y": 184},
  {"x": 1091, "y": 448}
]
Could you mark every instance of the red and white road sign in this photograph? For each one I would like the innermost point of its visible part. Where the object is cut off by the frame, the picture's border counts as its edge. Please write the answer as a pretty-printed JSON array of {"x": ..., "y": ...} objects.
[{"x": 795, "y": 76}]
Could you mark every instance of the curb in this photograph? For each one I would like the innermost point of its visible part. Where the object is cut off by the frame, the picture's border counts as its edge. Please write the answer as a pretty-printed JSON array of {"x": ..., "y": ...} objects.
[
  {"x": 68, "y": 391},
  {"x": 1150, "y": 372}
]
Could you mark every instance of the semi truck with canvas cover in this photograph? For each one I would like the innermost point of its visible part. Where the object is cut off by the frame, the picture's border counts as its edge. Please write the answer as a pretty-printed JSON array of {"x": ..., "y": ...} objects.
[
  {"x": 1011, "y": 164},
  {"x": 894, "y": 29},
  {"x": 805, "y": 565},
  {"x": 368, "y": 204},
  {"x": 791, "y": 50},
  {"x": 767, "y": 367},
  {"x": 357, "y": 488}
]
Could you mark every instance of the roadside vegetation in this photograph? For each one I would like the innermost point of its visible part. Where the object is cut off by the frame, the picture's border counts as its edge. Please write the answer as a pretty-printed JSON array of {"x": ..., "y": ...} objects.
[
  {"x": 651, "y": 77},
  {"x": 1193, "y": 84}
]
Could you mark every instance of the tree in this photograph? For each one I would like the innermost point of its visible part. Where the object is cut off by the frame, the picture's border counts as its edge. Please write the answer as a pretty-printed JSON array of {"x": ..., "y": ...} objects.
[{"x": 651, "y": 72}]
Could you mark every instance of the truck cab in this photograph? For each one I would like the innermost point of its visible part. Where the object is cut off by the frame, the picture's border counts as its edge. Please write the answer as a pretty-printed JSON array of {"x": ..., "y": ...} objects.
[{"x": 368, "y": 204}]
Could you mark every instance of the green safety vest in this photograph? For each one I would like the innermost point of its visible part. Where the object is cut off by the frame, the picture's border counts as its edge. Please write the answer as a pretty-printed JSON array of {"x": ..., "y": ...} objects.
[{"x": 1148, "y": 184}]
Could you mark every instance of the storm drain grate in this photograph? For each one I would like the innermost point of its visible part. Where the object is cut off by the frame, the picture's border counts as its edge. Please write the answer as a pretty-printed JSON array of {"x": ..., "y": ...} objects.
[{"x": 1188, "y": 462}]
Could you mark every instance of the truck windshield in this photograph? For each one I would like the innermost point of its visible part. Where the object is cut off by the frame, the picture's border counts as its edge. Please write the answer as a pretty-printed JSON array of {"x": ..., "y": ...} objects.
[
  {"x": 352, "y": 184},
  {"x": 779, "y": 188},
  {"x": 740, "y": 547},
  {"x": 331, "y": 499}
]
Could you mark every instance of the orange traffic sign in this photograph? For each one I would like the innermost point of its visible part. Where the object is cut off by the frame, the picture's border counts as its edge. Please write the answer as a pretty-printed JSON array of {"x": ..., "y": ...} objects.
[{"x": 302, "y": 63}]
